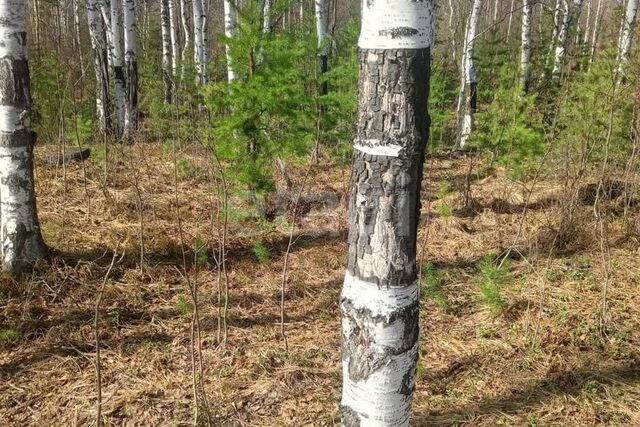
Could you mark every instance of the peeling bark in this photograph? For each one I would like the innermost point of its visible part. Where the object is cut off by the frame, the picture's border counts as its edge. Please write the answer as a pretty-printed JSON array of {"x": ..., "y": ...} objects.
[
  {"x": 379, "y": 300},
  {"x": 20, "y": 235},
  {"x": 131, "y": 68},
  {"x": 97, "y": 32}
]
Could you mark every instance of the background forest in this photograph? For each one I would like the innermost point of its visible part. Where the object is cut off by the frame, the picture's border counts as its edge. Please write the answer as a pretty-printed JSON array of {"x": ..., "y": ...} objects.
[{"x": 197, "y": 253}]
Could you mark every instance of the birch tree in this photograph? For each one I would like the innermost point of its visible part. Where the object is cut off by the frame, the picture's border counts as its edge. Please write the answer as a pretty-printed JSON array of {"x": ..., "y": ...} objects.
[
  {"x": 230, "y": 24},
  {"x": 321, "y": 31},
  {"x": 101, "y": 64},
  {"x": 596, "y": 32},
  {"x": 198, "y": 42},
  {"x": 266, "y": 17},
  {"x": 570, "y": 11},
  {"x": 167, "y": 51},
  {"x": 117, "y": 62},
  {"x": 626, "y": 34},
  {"x": 173, "y": 36},
  {"x": 379, "y": 300},
  {"x": 131, "y": 63},
  {"x": 20, "y": 235},
  {"x": 467, "y": 98},
  {"x": 525, "y": 52},
  {"x": 186, "y": 33}
]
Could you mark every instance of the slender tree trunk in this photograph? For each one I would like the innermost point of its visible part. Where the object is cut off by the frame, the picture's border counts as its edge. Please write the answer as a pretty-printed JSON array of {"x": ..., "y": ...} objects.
[
  {"x": 186, "y": 30},
  {"x": 229, "y": 31},
  {"x": 587, "y": 25},
  {"x": 105, "y": 10},
  {"x": 20, "y": 235},
  {"x": 131, "y": 64},
  {"x": 36, "y": 6},
  {"x": 97, "y": 32},
  {"x": 117, "y": 61},
  {"x": 321, "y": 32},
  {"x": 596, "y": 32},
  {"x": 511, "y": 12},
  {"x": 467, "y": 99},
  {"x": 266, "y": 17},
  {"x": 452, "y": 31},
  {"x": 571, "y": 10},
  {"x": 379, "y": 300},
  {"x": 77, "y": 40},
  {"x": 173, "y": 36},
  {"x": 626, "y": 34},
  {"x": 167, "y": 53},
  {"x": 554, "y": 37},
  {"x": 198, "y": 42},
  {"x": 525, "y": 53}
]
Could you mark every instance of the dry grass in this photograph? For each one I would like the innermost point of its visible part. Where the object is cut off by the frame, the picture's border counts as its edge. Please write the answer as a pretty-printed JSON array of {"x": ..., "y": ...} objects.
[{"x": 546, "y": 359}]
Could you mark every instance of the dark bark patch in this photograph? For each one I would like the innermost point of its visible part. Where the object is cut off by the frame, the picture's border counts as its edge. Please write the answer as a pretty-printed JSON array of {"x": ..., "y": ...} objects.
[
  {"x": 399, "y": 32},
  {"x": 350, "y": 418}
]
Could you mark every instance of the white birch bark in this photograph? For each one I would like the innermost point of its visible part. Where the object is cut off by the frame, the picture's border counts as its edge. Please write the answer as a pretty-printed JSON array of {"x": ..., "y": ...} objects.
[
  {"x": 173, "y": 36},
  {"x": 321, "y": 33},
  {"x": 511, "y": 12},
  {"x": 468, "y": 88},
  {"x": 20, "y": 235},
  {"x": 131, "y": 68},
  {"x": 76, "y": 32},
  {"x": 571, "y": 9},
  {"x": 230, "y": 32},
  {"x": 117, "y": 62},
  {"x": 97, "y": 31},
  {"x": 186, "y": 32},
  {"x": 379, "y": 300},
  {"x": 105, "y": 10},
  {"x": 557, "y": 11},
  {"x": 596, "y": 32},
  {"x": 626, "y": 35},
  {"x": 587, "y": 25},
  {"x": 167, "y": 51},
  {"x": 266, "y": 17},
  {"x": 198, "y": 42},
  {"x": 525, "y": 51}
]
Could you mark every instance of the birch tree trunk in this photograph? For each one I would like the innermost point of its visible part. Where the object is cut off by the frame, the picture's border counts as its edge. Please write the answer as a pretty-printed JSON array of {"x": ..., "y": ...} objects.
[
  {"x": 167, "y": 52},
  {"x": 131, "y": 64},
  {"x": 554, "y": 37},
  {"x": 117, "y": 62},
  {"x": 587, "y": 26},
  {"x": 229, "y": 31},
  {"x": 511, "y": 12},
  {"x": 266, "y": 17},
  {"x": 321, "y": 31},
  {"x": 173, "y": 36},
  {"x": 186, "y": 31},
  {"x": 571, "y": 9},
  {"x": 379, "y": 300},
  {"x": 198, "y": 42},
  {"x": 596, "y": 32},
  {"x": 105, "y": 10},
  {"x": 525, "y": 53},
  {"x": 467, "y": 99},
  {"x": 78, "y": 42},
  {"x": 97, "y": 32},
  {"x": 626, "y": 34},
  {"x": 20, "y": 235}
]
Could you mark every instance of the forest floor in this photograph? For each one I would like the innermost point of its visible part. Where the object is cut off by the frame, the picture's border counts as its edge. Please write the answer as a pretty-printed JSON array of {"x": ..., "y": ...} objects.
[{"x": 526, "y": 345}]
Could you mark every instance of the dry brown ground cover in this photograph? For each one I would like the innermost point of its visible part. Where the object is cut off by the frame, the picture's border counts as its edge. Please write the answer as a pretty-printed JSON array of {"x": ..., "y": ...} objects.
[{"x": 543, "y": 358}]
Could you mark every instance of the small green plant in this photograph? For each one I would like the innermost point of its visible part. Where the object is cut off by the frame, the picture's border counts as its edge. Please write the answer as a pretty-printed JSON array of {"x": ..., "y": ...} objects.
[
  {"x": 184, "y": 307},
  {"x": 432, "y": 286},
  {"x": 489, "y": 281},
  {"x": 443, "y": 205},
  {"x": 9, "y": 336},
  {"x": 260, "y": 251}
]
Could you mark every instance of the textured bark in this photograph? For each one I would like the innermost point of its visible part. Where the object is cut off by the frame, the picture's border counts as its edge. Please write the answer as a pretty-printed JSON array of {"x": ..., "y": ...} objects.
[
  {"x": 321, "y": 32},
  {"x": 20, "y": 235},
  {"x": 468, "y": 87},
  {"x": 379, "y": 300},
  {"x": 198, "y": 42},
  {"x": 571, "y": 10},
  {"x": 525, "y": 53},
  {"x": 596, "y": 32},
  {"x": 230, "y": 25},
  {"x": 626, "y": 34},
  {"x": 186, "y": 32},
  {"x": 557, "y": 13},
  {"x": 117, "y": 62},
  {"x": 131, "y": 68},
  {"x": 266, "y": 17},
  {"x": 167, "y": 52},
  {"x": 97, "y": 32},
  {"x": 173, "y": 36}
]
